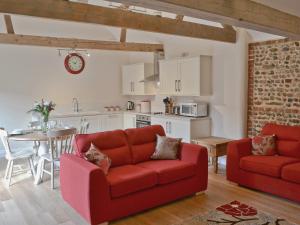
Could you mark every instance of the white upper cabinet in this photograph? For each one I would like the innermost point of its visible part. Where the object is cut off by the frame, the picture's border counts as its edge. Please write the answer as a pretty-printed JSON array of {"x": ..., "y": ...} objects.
[
  {"x": 132, "y": 75},
  {"x": 186, "y": 76}
]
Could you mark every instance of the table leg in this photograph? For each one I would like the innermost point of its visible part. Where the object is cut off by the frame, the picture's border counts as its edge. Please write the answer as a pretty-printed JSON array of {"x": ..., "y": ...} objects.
[
  {"x": 216, "y": 164},
  {"x": 39, "y": 171}
]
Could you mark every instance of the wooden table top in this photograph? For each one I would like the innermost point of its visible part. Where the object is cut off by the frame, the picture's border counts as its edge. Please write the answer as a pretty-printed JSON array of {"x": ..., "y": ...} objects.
[
  {"x": 34, "y": 136},
  {"x": 213, "y": 141}
]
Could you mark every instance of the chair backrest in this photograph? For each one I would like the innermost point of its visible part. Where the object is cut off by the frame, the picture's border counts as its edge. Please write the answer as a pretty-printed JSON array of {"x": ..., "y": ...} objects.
[
  {"x": 4, "y": 139},
  {"x": 84, "y": 126},
  {"x": 60, "y": 141}
]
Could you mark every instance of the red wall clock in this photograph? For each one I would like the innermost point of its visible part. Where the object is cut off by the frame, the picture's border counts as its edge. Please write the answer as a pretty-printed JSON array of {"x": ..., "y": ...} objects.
[{"x": 74, "y": 63}]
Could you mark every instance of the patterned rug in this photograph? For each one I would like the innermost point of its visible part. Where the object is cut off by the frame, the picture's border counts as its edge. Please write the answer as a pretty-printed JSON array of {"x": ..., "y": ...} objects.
[{"x": 235, "y": 213}]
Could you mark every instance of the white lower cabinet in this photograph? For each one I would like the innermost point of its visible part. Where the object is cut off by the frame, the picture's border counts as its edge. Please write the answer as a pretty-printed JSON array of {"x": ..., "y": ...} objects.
[
  {"x": 184, "y": 128},
  {"x": 97, "y": 123},
  {"x": 129, "y": 121}
]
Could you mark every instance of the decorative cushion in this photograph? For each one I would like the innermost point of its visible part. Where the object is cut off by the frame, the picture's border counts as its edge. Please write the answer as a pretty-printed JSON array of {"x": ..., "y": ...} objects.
[
  {"x": 266, "y": 165},
  {"x": 142, "y": 141},
  {"x": 287, "y": 138},
  {"x": 170, "y": 170},
  {"x": 291, "y": 173},
  {"x": 166, "y": 148},
  {"x": 95, "y": 156},
  {"x": 263, "y": 145},
  {"x": 127, "y": 179}
]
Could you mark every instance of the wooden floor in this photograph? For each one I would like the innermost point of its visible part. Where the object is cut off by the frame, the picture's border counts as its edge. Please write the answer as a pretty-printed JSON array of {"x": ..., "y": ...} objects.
[{"x": 26, "y": 204}]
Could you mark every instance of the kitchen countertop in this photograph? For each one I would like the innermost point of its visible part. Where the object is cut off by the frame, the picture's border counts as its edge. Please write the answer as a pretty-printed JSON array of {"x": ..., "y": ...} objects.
[
  {"x": 170, "y": 116},
  {"x": 95, "y": 113}
]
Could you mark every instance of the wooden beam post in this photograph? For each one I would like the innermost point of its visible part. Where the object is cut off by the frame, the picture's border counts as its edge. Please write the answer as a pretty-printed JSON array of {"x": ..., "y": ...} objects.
[
  {"x": 77, "y": 43},
  {"x": 9, "y": 24},
  {"x": 123, "y": 35},
  {"x": 79, "y": 12},
  {"x": 240, "y": 13}
]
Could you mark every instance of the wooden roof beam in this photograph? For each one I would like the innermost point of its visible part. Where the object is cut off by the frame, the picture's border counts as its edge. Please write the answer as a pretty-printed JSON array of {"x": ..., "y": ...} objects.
[
  {"x": 240, "y": 13},
  {"x": 77, "y": 43},
  {"x": 79, "y": 12}
]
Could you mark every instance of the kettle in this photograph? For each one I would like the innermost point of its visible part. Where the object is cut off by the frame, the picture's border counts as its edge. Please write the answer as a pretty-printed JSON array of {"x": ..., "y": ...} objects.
[{"x": 130, "y": 105}]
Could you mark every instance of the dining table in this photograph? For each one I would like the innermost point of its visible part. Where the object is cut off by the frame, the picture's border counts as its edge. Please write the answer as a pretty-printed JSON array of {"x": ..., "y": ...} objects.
[{"x": 40, "y": 141}]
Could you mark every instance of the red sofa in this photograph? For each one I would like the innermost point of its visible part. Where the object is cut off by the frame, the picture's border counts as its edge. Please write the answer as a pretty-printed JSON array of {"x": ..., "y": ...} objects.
[
  {"x": 279, "y": 174},
  {"x": 134, "y": 182}
]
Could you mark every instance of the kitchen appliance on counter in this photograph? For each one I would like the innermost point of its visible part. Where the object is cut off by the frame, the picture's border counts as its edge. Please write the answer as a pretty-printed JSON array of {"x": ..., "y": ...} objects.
[
  {"x": 195, "y": 109},
  {"x": 142, "y": 120},
  {"x": 130, "y": 105},
  {"x": 145, "y": 106}
]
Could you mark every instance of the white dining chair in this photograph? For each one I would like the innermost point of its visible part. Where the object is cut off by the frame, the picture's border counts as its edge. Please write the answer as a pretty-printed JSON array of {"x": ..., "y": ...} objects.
[
  {"x": 60, "y": 142},
  {"x": 84, "y": 126},
  {"x": 13, "y": 155}
]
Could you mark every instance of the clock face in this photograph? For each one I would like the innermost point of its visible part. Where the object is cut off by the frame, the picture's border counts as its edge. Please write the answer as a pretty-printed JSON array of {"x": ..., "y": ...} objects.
[{"x": 74, "y": 63}]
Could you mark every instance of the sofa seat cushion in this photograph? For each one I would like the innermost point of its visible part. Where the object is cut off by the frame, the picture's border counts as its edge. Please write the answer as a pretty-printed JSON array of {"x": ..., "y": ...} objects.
[
  {"x": 291, "y": 173},
  {"x": 130, "y": 178},
  {"x": 170, "y": 170},
  {"x": 266, "y": 165}
]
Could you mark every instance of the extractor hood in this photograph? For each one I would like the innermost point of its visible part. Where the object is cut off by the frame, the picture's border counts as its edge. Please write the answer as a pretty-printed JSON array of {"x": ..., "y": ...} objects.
[{"x": 155, "y": 77}]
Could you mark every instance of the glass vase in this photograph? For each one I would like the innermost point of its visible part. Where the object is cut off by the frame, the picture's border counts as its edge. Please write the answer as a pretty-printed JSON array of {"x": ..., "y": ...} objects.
[{"x": 44, "y": 124}]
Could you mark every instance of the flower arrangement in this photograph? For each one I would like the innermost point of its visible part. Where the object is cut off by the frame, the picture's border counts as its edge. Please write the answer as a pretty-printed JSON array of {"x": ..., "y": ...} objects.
[{"x": 44, "y": 108}]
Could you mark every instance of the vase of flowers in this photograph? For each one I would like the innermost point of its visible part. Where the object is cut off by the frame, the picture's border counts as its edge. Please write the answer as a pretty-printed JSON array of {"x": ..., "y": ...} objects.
[{"x": 43, "y": 108}]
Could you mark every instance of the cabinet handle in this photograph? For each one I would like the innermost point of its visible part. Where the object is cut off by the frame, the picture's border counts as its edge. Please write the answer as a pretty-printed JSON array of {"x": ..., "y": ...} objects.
[
  {"x": 179, "y": 85},
  {"x": 175, "y": 85},
  {"x": 167, "y": 127},
  {"x": 133, "y": 86},
  {"x": 170, "y": 128}
]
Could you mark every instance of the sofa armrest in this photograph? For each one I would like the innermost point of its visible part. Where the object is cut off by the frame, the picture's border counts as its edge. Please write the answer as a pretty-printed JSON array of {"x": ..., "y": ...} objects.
[
  {"x": 84, "y": 186},
  {"x": 235, "y": 151},
  {"x": 194, "y": 153}
]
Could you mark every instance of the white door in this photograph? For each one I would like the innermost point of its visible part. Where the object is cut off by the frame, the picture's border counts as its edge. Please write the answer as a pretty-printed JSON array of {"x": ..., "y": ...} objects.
[
  {"x": 168, "y": 72},
  {"x": 129, "y": 121},
  {"x": 179, "y": 129},
  {"x": 131, "y": 76},
  {"x": 111, "y": 122},
  {"x": 189, "y": 82}
]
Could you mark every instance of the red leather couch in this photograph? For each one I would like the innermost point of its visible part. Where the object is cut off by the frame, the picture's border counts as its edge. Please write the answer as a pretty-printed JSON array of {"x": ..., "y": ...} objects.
[
  {"x": 279, "y": 174},
  {"x": 134, "y": 182}
]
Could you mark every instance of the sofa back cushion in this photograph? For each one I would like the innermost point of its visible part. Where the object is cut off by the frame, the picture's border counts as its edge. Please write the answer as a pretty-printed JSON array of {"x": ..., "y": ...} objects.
[
  {"x": 112, "y": 143},
  {"x": 287, "y": 138},
  {"x": 142, "y": 141}
]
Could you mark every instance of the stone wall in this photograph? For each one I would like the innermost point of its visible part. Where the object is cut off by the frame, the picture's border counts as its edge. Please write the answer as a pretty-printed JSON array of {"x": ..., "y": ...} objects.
[{"x": 273, "y": 84}]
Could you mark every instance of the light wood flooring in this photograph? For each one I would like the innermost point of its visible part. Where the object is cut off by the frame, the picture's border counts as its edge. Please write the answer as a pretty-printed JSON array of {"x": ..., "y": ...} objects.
[{"x": 27, "y": 204}]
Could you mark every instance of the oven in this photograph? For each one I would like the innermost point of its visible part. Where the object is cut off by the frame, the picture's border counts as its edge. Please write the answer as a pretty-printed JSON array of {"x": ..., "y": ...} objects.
[{"x": 142, "y": 120}]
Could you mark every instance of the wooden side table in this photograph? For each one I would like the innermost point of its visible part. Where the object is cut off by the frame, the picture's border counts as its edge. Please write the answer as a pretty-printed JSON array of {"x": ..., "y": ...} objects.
[{"x": 216, "y": 147}]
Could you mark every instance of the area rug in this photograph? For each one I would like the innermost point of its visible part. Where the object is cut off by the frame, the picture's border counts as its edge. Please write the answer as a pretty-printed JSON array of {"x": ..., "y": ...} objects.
[{"x": 235, "y": 213}]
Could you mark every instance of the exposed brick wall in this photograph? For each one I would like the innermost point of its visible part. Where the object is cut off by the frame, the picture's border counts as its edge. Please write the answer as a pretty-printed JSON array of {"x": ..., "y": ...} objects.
[{"x": 274, "y": 84}]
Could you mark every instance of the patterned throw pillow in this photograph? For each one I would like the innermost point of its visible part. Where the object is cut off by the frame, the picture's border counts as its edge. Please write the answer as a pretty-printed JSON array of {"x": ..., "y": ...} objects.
[
  {"x": 263, "y": 145},
  {"x": 95, "y": 156},
  {"x": 166, "y": 148}
]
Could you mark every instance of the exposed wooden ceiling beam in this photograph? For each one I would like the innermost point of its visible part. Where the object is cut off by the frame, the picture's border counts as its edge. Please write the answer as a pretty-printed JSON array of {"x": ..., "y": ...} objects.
[
  {"x": 123, "y": 35},
  {"x": 9, "y": 24},
  {"x": 77, "y": 43},
  {"x": 241, "y": 13},
  {"x": 78, "y": 12}
]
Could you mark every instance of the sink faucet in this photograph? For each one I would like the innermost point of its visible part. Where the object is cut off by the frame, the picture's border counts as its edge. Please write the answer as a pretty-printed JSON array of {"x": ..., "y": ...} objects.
[{"x": 75, "y": 105}]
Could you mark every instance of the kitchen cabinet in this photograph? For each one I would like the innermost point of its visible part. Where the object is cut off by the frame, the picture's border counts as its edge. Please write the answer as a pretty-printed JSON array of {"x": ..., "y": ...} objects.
[
  {"x": 184, "y": 128},
  {"x": 129, "y": 121},
  {"x": 186, "y": 76},
  {"x": 97, "y": 123},
  {"x": 132, "y": 75}
]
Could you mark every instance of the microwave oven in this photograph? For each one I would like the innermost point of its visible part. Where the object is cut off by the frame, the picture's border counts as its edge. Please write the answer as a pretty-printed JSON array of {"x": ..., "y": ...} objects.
[{"x": 198, "y": 109}]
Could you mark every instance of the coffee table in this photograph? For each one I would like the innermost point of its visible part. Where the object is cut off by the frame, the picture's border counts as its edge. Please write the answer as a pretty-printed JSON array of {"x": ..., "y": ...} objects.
[{"x": 216, "y": 147}]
